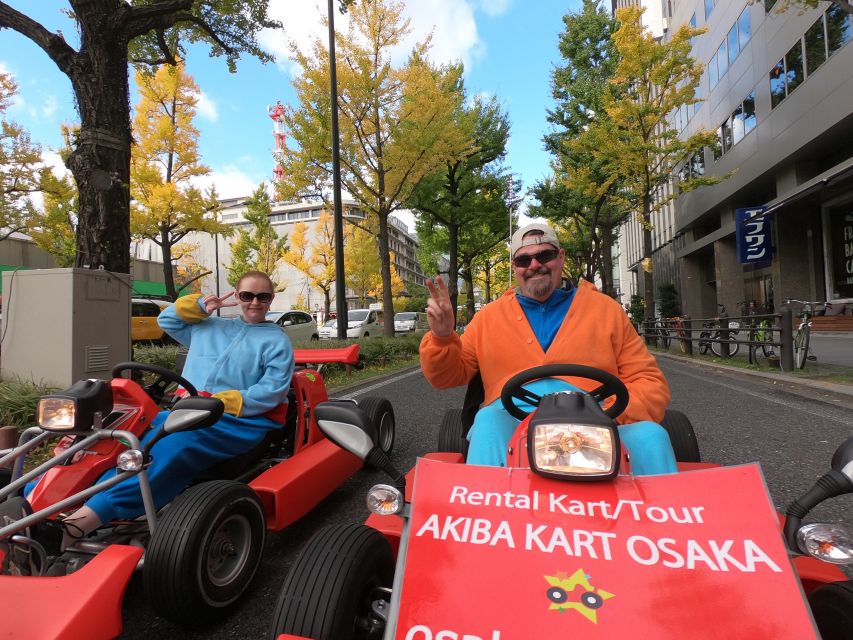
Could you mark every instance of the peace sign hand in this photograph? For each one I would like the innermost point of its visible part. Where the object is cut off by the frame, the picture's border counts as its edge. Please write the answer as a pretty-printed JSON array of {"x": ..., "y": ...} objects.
[
  {"x": 213, "y": 302},
  {"x": 439, "y": 310}
]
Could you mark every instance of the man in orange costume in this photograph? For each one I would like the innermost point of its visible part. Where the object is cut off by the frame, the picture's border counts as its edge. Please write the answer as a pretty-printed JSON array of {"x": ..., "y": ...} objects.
[{"x": 541, "y": 323}]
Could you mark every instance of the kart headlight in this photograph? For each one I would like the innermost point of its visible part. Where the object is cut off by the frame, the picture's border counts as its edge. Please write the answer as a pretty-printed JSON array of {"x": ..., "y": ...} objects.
[
  {"x": 385, "y": 500},
  {"x": 130, "y": 460},
  {"x": 828, "y": 542},
  {"x": 570, "y": 437},
  {"x": 57, "y": 414},
  {"x": 573, "y": 450},
  {"x": 77, "y": 409}
]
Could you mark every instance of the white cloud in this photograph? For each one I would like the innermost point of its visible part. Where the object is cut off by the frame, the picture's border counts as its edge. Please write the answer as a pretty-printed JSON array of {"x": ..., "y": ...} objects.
[
  {"x": 451, "y": 22},
  {"x": 206, "y": 107},
  {"x": 49, "y": 106},
  {"x": 231, "y": 182}
]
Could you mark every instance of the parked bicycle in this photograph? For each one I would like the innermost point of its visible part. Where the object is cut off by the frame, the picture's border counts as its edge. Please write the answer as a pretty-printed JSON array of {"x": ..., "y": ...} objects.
[
  {"x": 760, "y": 331},
  {"x": 711, "y": 336},
  {"x": 680, "y": 333},
  {"x": 802, "y": 352}
]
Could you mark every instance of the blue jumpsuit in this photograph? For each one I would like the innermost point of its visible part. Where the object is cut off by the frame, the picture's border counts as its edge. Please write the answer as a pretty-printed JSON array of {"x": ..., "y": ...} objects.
[{"x": 251, "y": 363}]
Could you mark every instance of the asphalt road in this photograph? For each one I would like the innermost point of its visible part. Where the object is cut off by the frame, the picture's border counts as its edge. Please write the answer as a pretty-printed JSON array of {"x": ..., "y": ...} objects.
[{"x": 739, "y": 419}]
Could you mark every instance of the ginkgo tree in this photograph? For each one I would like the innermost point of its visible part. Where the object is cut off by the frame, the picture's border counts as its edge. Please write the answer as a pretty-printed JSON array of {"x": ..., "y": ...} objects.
[
  {"x": 109, "y": 35},
  {"x": 633, "y": 141},
  {"x": 20, "y": 166},
  {"x": 259, "y": 248},
  {"x": 165, "y": 165},
  {"x": 396, "y": 123}
]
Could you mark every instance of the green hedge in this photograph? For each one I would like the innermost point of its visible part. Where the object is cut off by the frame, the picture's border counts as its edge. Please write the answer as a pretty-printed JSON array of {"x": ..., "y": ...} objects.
[{"x": 18, "y": 401}]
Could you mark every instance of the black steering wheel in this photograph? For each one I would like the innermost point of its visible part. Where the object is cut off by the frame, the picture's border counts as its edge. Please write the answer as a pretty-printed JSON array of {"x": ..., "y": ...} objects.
[
  {"x": 157, "y": 389},
  {"x": 610, "y": 386}
]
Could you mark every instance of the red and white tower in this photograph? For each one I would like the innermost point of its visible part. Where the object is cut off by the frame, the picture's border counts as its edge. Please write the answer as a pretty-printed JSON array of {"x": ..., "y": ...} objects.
[{"x": 277, "y": 115}]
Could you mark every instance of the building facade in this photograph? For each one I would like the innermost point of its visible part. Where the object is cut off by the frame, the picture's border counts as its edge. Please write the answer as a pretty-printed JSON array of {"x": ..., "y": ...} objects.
[
  {"x": 213, "y": 252},
  {"x": 778, "y": 90}
]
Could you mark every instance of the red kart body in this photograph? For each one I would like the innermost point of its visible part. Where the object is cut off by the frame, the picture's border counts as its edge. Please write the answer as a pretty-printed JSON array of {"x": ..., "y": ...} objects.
[
  {"x": 87, "y": 603},
  {"x": 441, "y": 592}
]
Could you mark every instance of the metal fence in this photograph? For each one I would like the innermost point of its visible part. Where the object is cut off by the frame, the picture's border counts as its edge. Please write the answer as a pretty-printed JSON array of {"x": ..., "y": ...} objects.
[{"x": 771, "y": 332}]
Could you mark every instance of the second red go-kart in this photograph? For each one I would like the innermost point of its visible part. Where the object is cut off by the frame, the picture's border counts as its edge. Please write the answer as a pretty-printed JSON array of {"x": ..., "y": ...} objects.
[
  {"x": 566, "y": 543},
  {"x": 198, "y": 554}
]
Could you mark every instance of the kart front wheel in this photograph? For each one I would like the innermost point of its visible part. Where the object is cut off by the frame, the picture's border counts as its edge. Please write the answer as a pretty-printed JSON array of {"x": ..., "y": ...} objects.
[
  {"x": 381, "y": 415},
  {"x": 335, "y": 583},
  {"x": 204, "y": 552},
  {"x": 452, "y": 433},
  {"x": 832, "y": 608},
  {"x": 682, "y": 436}
]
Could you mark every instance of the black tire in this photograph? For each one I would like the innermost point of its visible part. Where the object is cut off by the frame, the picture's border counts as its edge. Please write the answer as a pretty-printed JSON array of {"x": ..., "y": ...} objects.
[
  {"x": 452, "y": 433},
  {"x": 801, "y": 347},
  {"x": 204, "y": 552},
  {"x": 716, "y": 347},
  {"x": 704, "y": 345},
  {"x": 328, "y": 592},
  {"x": 682, "y": 436},
  {"x": 832, "y": 608},
  {"x": 381, "y": 414}
]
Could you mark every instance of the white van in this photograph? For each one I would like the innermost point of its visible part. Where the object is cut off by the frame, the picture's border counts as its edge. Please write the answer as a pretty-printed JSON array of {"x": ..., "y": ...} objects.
[
  {"x": 407, "y": 321},
  {"x": 361, "y": 323}
]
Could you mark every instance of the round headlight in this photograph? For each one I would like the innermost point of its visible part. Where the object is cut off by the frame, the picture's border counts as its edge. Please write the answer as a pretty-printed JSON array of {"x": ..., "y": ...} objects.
[
  {"x": 385, "y": 500},
  {"x": 828, "y": 542},
  {"x": 130, "y": 460}
]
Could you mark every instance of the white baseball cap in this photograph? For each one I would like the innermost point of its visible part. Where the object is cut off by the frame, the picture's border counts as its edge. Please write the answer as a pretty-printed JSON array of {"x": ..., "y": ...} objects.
[{"x": 534, "y": 233}]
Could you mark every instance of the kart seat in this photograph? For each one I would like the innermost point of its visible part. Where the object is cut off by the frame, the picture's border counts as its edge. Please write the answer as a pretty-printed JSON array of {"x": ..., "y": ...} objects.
[
  {"x": 276, "y": 443},
  {"x": 474, "y": 396}
]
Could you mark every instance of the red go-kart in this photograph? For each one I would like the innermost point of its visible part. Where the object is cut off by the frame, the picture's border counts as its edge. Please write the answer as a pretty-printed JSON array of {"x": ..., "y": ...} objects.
[
  {"x": 198, "y": 554},
  {"x": 566, "y": 543}
]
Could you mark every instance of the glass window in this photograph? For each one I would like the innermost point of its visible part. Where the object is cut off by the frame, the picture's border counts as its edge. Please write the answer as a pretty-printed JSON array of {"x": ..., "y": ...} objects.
[
  {"x": 697, "y": 164},
  {"x": 734, "y": 47},
  {"x": 737, "y": 125},
  {"x": 726, "y": 130},
  {"x": 293, "y": 215},
  {"x": 743, "y": 28},
  {"x": 709, "y": 7},
  {"x": 718, "y": 146},
  {"x": 768, "y": 5},
  {"x": 722, "y": 59},
  {"x": 838, "y": 28},
  {"x": 713, "y": 75},
  {"x": 777, "y": 84},
  {"x": 749, "y": 117},
  {"x": 794, "y": 66},
  {"x": 815, "y": 46},
  {"x": 693, "y": 22}
]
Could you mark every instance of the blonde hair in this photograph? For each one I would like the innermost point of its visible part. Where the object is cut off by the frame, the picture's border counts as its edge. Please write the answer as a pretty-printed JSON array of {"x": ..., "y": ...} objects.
[{"x": 256, "y": 274}]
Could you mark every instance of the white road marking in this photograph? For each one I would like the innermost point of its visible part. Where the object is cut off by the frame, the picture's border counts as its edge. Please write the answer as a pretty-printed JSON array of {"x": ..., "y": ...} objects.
[{"x": 378, "y": 385}]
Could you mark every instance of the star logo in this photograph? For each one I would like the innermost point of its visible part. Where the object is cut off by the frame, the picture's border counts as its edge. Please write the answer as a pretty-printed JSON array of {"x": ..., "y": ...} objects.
[{"x": 576, "y": 593}]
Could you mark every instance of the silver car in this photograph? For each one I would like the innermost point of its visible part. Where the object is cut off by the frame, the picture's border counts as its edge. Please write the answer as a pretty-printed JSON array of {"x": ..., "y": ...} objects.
[{"x": 298, "y": 325}]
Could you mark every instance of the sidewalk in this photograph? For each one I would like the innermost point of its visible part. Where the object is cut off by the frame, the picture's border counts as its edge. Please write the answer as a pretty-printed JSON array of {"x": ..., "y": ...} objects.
[{"x": 810, "y": 377}]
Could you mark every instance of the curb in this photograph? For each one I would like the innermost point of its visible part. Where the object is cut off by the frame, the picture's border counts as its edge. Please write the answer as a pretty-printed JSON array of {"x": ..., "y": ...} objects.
[{"x": 832, "y": 387}]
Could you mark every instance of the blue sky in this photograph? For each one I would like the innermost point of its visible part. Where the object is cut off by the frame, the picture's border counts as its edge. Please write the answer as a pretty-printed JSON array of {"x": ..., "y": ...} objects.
[{"x": 509, "y": 48}]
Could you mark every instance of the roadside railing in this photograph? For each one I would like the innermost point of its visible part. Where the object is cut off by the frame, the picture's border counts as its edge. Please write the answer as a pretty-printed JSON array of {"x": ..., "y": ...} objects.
[{"x": 770, "y": 334}]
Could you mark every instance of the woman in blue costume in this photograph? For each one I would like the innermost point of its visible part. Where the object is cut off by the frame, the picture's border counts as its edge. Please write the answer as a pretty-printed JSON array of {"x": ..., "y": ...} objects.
[{"x": 245, "y": 361}]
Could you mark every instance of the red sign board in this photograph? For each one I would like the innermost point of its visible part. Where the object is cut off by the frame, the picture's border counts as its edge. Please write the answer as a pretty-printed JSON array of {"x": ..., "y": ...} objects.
[{"x": 503, "y": 554}]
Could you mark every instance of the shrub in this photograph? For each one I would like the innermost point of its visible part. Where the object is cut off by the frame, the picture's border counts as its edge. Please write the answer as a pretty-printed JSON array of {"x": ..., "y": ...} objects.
[
  {"x": 668, "y": 300},
  {"x": 18, "y": 401}
]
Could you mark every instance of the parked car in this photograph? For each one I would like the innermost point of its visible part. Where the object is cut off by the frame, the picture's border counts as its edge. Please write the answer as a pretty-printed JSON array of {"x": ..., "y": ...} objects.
[
  {"x": 143, "y": 320},
  {"x": 406, "y": 321},
  {"x": 298, "y": 325},
  {"x": 361, "y": 323}
]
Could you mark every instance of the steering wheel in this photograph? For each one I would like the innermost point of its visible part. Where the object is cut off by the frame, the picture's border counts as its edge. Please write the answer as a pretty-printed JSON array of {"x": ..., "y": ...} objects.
[
  {"x": 157, "y": 389},
  {"x": 609, "y": 386}
]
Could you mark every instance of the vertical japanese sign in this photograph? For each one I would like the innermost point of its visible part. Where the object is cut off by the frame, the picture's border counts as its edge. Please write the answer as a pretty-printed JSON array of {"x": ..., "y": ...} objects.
[
  {"x": 754, "y": 245},
  {"x": 841, "y": 239}
]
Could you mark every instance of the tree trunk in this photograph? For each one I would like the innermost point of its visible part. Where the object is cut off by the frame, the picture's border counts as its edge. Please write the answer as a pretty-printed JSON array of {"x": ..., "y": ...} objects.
[
  {"x": 607, "y": 260},
  {"x": 468, "y": 278},
  {"x": 646, "y": 266},
  {"x": 168, "y": 275},
  {"x": 453, "y": 267},
  {"x": 100, "y": 161},
  {"x": 385, "y": 261}
]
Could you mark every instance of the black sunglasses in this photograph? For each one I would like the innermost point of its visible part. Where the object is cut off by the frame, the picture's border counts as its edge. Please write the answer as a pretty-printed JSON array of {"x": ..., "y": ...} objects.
[
  {"x": 248, "y": 296},
  {"x": 542, "y": 257}
]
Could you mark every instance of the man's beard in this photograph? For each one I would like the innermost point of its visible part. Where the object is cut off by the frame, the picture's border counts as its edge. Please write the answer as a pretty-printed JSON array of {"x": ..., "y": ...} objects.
[{"x": 539, "y": 288}]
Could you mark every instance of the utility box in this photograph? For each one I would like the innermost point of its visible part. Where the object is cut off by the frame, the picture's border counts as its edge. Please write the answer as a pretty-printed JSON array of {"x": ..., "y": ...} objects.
[{"x": 64, "y": 325}]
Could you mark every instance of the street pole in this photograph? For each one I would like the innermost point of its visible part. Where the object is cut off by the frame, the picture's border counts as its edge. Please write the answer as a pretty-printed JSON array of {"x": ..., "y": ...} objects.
[
  {"x": 216, "y": 259},
  {"x": 340, "y": 278}
]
